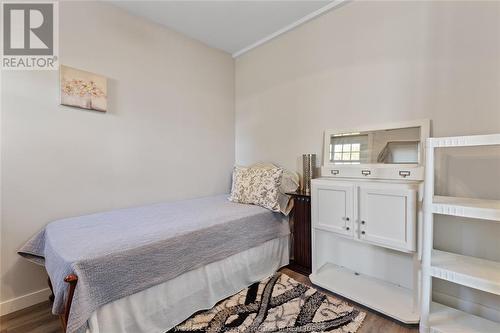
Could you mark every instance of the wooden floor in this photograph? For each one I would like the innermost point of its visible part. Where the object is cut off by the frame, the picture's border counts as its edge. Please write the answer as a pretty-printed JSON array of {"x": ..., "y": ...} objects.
[
  {"x": 38, "y": 318},
  {"x": 35, "y": 319}
]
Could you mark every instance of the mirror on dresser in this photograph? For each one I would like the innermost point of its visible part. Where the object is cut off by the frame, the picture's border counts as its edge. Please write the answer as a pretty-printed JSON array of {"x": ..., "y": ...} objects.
[
  {"x": 391, "y": 151},
  {"x": 390, "y": 146}
]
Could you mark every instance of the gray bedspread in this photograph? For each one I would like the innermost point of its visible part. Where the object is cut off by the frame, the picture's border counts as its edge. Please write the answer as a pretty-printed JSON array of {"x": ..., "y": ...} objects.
[{"x": 121, "y": 252}]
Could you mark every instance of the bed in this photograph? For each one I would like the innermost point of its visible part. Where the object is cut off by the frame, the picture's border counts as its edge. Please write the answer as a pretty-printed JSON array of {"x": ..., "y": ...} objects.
[{"x": 146, "y": 269}]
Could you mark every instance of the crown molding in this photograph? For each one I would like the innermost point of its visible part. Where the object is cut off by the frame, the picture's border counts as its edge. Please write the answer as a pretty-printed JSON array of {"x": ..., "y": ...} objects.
[{"x": 308, "y": 17}]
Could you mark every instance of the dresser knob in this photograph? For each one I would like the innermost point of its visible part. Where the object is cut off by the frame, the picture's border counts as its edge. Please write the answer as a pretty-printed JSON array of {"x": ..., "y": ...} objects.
[
  {"x": 362, "y": 232},
  {"x": 346, "y": 228},
  {"x": 363, "y": 222},
  {"x": 347, "y": 219}
]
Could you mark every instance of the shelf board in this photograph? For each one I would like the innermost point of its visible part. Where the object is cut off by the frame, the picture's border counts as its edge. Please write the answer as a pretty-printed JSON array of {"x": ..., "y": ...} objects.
[
  {"x": 448, "y": 320},
  {"x": 465, "y": 141},
  {"x": 384, "y": 297},
  {"x": 468, "y": 271},
  {"x": 467, "y": 207}
]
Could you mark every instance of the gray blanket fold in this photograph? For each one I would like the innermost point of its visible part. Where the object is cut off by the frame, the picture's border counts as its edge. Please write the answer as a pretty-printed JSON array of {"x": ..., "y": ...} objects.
[{"x": 118, "y": 253}]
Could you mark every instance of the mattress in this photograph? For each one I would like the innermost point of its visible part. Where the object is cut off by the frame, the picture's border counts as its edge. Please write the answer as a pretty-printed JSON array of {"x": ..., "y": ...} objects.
[
  {"x": 119, "y": 253},
  {"x": 159, "y": 308}
]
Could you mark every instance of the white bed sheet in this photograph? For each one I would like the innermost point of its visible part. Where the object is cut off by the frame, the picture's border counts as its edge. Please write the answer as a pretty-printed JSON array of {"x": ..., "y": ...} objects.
[{"x": 159, "y": 308}]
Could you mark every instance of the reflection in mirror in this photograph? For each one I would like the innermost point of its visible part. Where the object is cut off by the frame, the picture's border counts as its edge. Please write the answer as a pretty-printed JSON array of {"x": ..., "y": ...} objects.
[
  {"x": 349, "y": 148},
  {"x": 393, "y": 146}
]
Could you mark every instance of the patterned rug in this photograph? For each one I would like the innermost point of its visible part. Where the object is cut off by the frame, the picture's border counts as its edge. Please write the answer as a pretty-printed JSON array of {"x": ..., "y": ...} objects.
[{"x": 276, "y": 304}]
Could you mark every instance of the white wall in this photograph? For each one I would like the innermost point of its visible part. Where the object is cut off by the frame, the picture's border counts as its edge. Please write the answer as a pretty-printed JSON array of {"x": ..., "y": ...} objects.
[
  {"x": 370, "y": 62},
  {"x": 168, "y": 134}
]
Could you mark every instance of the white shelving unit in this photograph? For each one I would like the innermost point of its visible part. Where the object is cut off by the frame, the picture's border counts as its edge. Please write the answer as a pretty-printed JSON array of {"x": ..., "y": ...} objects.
[{"x": 464, "y": 270}]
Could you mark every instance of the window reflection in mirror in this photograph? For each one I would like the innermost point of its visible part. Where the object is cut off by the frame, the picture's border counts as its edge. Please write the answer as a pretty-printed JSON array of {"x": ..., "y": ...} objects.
[{"x": 392, "y": 146}]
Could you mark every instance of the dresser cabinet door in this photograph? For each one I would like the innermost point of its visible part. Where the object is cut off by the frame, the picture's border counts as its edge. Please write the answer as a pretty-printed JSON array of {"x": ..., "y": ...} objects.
[
  {"x": 387, "y": 217},
  {"x": 333, "y": 208}
]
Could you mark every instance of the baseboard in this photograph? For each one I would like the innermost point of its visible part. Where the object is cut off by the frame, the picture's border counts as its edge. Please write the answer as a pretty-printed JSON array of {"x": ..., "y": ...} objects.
[
  {"x": 467, "y": 306},
  {"x": 24, "y": 301}
]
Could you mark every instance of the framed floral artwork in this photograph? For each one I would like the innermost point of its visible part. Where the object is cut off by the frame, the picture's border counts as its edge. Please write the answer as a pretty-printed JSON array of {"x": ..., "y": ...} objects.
[{"x": 83, "y": 89}]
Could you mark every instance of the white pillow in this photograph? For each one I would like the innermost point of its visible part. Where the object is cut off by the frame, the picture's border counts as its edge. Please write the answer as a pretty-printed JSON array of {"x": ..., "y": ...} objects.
[{"x": 258, "y": 186}]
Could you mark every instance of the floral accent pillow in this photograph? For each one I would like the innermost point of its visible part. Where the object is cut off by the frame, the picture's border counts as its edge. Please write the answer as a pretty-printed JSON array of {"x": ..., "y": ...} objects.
[{"x": 258, "y": 186}]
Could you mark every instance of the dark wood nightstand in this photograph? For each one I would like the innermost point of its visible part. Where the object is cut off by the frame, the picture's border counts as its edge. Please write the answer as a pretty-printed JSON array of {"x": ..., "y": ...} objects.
[{"x": 301, "y": 214}]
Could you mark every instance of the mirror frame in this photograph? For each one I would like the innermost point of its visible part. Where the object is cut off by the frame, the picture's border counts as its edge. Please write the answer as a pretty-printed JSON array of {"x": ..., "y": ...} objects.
[{"x": 424, "y": 125}]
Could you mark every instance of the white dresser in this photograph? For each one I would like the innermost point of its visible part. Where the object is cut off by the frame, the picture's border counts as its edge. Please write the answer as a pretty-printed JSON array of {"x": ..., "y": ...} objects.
[
  {"x": 366, "y": 223},
  {"x": 383, "y": 214}
]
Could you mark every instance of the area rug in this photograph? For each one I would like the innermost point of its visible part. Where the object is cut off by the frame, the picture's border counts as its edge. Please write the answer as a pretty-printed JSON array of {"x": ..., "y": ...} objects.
[{"x": 276, "y": 304}]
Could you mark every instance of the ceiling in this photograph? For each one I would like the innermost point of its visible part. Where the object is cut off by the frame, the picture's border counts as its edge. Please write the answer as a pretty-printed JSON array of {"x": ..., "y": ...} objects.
[{"x": 232, "y": 26}]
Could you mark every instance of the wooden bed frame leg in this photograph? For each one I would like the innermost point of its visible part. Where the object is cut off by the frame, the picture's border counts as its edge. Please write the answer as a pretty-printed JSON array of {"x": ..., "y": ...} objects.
[
  {"x": 71, "y": 279},
  {"x": 51, "y": 297}
]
